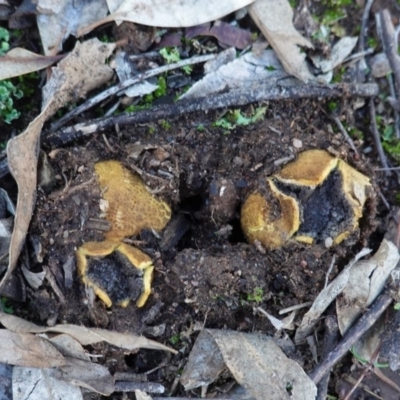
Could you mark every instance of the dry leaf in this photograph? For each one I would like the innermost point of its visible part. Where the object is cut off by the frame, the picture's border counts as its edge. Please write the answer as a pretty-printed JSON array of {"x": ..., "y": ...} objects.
[
  {"x": 19, "y": 61},
  {"x": 24, "y": 349},
  {"x": 255, "y": 361},
  {"x": 125, "y": 68},
  {"x": 325, "y": 297},
  {"x": 34, "y": 279},
  {"x": 366, "y": 281},
  {"x": 39, "y": 384},
  {"x": 172, "y": 13},
  {"x": 280, "y": 324},
  {"x": 59, "y": 19},
  {"x": 69, "y": 347},
  {"x": 247, "y": 71},
  {"x": 85, "y": 336},
  {"x": 82, "y": 70},
  {"x": 86, "y": 374},
  {"x": 338, "y": 54},
  {"x": 274, "y": 19},
  {"x": 340, "y": 51}
]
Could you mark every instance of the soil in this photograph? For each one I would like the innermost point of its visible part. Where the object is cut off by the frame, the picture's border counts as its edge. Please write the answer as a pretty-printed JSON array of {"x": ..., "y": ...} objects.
[{"x": 206, "y": 275}]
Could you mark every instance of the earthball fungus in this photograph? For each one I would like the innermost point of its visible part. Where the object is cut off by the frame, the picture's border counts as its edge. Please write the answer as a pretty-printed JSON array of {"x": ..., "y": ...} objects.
[
  {"x": 116, "y": 271},
  {"x": 316, "y": 198}
]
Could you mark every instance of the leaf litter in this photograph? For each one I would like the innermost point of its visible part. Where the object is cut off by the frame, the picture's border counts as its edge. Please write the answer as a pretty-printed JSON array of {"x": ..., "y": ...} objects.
[
  {"x": 58, "y": 92},
  {"x": 60, "y": 359}
]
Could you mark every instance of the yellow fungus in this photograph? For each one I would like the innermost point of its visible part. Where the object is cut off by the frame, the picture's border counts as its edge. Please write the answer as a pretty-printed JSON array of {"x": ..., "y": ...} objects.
[
  {"x": 319, "y": 196},
  {"x": 130, "y": 207}
]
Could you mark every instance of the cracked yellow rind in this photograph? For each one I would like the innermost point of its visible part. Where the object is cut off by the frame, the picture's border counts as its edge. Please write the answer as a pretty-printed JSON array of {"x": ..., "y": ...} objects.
[
  {"x": 256, "y": 223},
  {"x": 131, "y": 207},
  {"x": 310, "y": 168},
  {"x": 137, "y": 258},
  {"x": 355, "y": 186}
]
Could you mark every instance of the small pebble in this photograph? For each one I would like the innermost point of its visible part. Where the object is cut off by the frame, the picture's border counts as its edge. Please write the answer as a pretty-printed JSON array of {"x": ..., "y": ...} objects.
[{"x": 297, "y": 143}]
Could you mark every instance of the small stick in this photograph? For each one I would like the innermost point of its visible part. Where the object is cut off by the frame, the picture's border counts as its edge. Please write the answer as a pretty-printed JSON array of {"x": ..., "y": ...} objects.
[
  {"x": 129, "y": 82},
  {"x": 129, "y": 386},
  {"x": 389, "y": 40},
  {"x": 349, "y": 140},
  {"x": 295, "y": 307},
  {"x": 395, "y": 111},
  {"x": 235, "y": 98},
  {"x": 383, "y": 198},
  {"x": 355, "y": 333},
  {"x": 331, "y": 337},
  {"x": 375, "y": 133},
  {"x": 363, "y": 33},
  {"x": 364, "y": 25},
  {"x": 329, "y": 271}
]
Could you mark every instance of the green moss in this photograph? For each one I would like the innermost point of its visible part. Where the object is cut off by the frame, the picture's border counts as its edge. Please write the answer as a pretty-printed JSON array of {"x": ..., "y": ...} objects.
[
  {"x": 171, "y": 55},
  {"x": 175, "y": 339},
  {"x": 235, "y": 118},
  {"x": 257, "y": 296},
  {"x": 165, "y": 125},
  {"x": 8, "y": 92}
]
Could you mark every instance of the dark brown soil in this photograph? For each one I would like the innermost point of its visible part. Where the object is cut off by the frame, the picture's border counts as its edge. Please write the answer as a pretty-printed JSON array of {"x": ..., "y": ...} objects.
[{"x": 206, "y": 274}]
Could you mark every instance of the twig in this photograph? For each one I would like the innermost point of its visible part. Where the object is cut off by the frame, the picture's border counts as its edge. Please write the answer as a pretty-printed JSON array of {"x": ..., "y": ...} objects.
[
  {"x": 295, "y": 307},
  {"x": 383, "y": 198},
  {"x": 233, "y": 98},
  {"x": 388, "y": 39},
  {"x": 331, "y": 337},
  {"x": 366, "y": 389},
  {"x": 361, "y": 326},
  {"x": 349, "y": 140},
  {"x": 363, "y": 32},
  {"x": 129, "y": 82},
  {"x": 329, "y": 271},
  {"x": 375, "y": 133},
  {"x": 364, "y": 22},
  {"x": 129, "y": 386},
  {"x": 359, "y": 55},
  {"x": 395, "y": 111},
  {"x": 367, "y": 368}
]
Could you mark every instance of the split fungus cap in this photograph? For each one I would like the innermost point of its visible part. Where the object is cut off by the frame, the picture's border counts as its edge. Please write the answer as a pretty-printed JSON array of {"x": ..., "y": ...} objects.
[
  {"x": 107, "y": 266},
  {"x": 319, "y": 197},
  {"x": 108, "y": 276}
]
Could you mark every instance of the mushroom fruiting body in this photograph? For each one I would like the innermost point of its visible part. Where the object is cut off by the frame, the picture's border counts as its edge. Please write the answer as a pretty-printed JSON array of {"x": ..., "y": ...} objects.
[
  {"x": 315, "y": 198},
  {"x": 129, "y": 206}
]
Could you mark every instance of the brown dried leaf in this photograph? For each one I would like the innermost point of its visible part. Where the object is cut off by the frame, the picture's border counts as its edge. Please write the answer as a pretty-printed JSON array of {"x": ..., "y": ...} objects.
[
  {"x": 82, "y": 70},
  {"x": 366, "y": 281},
  {"x": 58, "y": 19},
  {"x": 28, "y": 350},
  {"x": 91, "y": 376},
  {"x": 39, "y": 384},
  {"x": 274, "y": 18},
  {"x": 19, "y": 61},
  {"x": 85, "y": 336},
  {"x": 255, "y": 361},
  {"x": 172, "y": 13}
]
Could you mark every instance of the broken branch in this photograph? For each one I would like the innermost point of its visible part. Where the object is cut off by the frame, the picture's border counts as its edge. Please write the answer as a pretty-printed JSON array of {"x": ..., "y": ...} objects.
[
  {"x": 233, "y": 98},
  {"x": 355, "y": 333}
]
